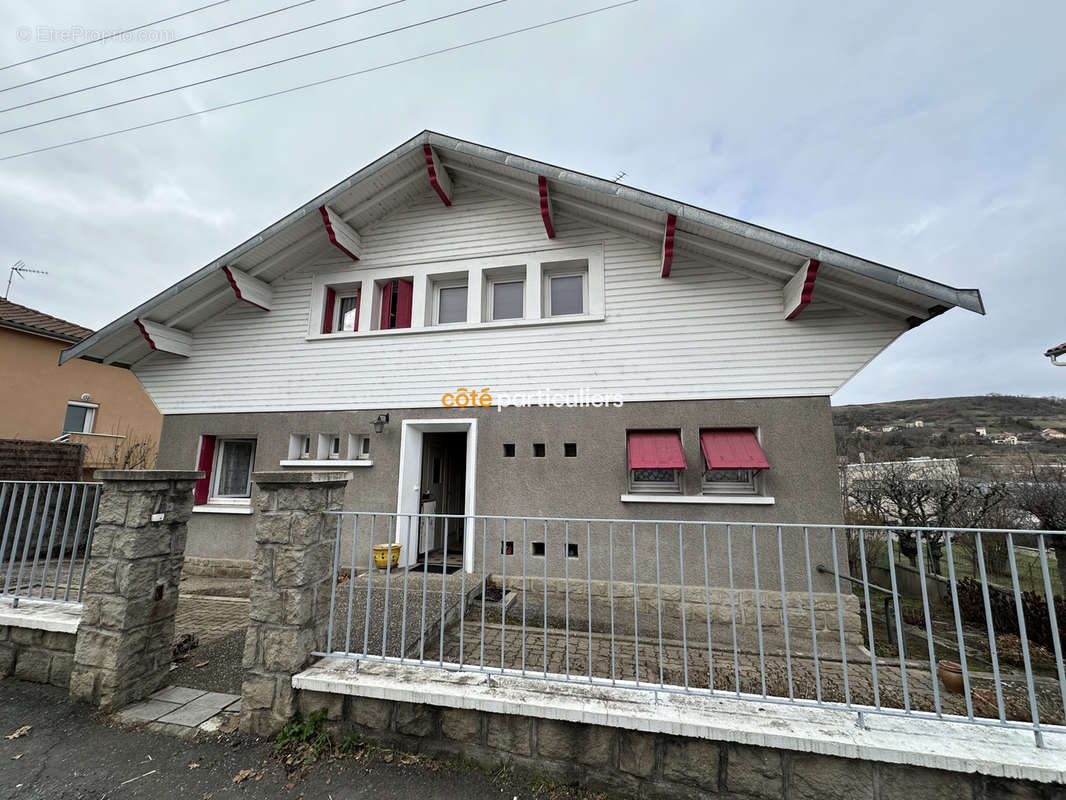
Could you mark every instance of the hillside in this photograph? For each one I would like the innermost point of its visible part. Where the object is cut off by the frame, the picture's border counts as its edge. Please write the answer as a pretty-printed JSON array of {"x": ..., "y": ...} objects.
[{"x": 949, "y": 427}]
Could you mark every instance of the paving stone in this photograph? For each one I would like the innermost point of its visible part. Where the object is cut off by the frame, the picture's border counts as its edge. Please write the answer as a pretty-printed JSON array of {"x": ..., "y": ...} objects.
[
  {"x": 146, "y": 711},
  {"x": 179, "y": 694},
  {"x": 234, "y": 707},
  {"x": 216, "y": 699},
  {"x": 190, "y": 715}
]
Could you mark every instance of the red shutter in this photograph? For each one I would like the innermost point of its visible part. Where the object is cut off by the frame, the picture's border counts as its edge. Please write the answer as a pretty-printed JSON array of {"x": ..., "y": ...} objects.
[
  {"x": 386, "y": 306},
  {"x": 405, "y": 294},
  {"x": 327, "y": 311},
  {"x": 727, "y": 448},
  {"x": 358, "y": 303},
  {"x": 207, "y": 458}
]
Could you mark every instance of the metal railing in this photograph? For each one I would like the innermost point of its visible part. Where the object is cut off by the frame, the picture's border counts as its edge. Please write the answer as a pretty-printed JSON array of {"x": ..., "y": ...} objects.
[
  {"x": 786, "y": 613},
  {"x": 47, "y": 529}
]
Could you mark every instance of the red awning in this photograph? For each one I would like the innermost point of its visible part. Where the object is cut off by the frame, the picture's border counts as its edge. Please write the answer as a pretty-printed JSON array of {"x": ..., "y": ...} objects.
[
  {"x": 732, "y": 449},
  {"x": 655, "y": 450}
]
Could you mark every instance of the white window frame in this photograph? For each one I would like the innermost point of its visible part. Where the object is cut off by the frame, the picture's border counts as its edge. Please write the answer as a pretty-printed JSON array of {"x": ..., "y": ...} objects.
[
  {"x": 750, "y": 486},
  {"x": 90, "y": 416},
  {"x": 655, "y": 487},
  {"x": 358, "y": 447},
  {"x": 299, "y": 446},
  {"x": 214, "y": 498},
  {"x": 550, "y": 272},
  {"x": 325, "y": 450},
  {"x": 491, "y": 291},
  {"x": 459, "y": 283},
  {"x": 342, "y": 294}
]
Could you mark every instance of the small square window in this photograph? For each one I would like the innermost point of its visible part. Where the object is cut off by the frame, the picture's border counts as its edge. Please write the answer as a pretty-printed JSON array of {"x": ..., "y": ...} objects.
[
  {"x": 538, "y": 450},
  {"x": 508, "y": 450},
  {"x": 570, "y": 449},
  {"x": 79, "y": 418},
  {"x": 538, "y": 548},
  {"x": 508, "y": 299},
  {"x": 571, "y": 550},
  {"x": 565, "y": 287},
  {"x": 506, "y": 548}
]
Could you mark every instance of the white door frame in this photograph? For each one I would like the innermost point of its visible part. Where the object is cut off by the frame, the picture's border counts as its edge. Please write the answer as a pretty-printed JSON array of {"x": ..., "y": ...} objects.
[{"x": 409, "y": 487}]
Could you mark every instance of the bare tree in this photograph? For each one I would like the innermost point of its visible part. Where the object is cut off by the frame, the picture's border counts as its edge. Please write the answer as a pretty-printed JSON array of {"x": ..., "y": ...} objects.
[
  {"x": 132, "y": 451},
  {"x": 1042, "y": 495}
]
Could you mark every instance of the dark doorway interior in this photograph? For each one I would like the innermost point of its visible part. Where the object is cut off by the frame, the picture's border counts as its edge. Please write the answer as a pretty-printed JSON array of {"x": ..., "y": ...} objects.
[{"x": 443, "y": 492}]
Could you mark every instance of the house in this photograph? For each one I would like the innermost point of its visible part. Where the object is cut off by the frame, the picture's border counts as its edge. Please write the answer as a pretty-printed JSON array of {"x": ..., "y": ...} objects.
[
  {"x": 1050, "y": 434},
  {"x": 1054, "y": 352},
  {"x": 102, "y": 407},
  {"x": 889, "y": 428},
  {"x": 1003, "y": 438},
  {"x": 981, "y": 430},
  {"x": 466, "y": 327}
]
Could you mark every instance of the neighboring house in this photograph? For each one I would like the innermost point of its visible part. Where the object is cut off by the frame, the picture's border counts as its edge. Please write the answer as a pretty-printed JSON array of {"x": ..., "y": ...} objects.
[
  {"x": 981, "y": 430},
  {"x": 102, "y": 407},
  {"x": 1054, "y": 352},
  {"x": 1003, "y": 438},
  {"x": 915, "y": 469},
  {"x": 513, "y": 338},
  {"x": 889, "y": 428},
  {"x": 1050, "y": 434}
]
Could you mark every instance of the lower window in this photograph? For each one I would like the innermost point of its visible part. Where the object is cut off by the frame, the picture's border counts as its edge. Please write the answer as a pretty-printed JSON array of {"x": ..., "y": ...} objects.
[
  {"x": 654, "y": 480},
  {"x": 729, "y": 481},
  {"x": 232, "y": 471}
]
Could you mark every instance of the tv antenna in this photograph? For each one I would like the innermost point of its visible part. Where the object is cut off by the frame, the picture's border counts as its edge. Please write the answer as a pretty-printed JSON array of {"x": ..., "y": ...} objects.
[
  {"x": 621, "y": 174},
  {"x": 19, "y": 268}
]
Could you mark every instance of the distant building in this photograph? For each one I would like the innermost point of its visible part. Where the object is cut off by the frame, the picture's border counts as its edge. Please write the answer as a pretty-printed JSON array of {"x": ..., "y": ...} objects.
[
  {"x": 1050, "y": 434},
  {"x": 1054, "y": 352},
  {"x": 1003, "y": 438},
  {"x": 981, "y": 430},
  {"x": 889, "y": 428},
  {"x": 862, "y": 429}
]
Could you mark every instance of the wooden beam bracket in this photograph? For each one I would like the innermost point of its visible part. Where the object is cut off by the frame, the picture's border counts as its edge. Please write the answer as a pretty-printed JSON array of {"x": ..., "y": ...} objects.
[
  {"x": 438, "y": 176},
  {"x": 546, "y": 212},
  {"x": 668, "y": 246},
  {"x": 796, "y": 295},
  {"x": 165, "y": 340},
  {"x": 248, "y": 289},
  {"x": 342, "y": 235}
]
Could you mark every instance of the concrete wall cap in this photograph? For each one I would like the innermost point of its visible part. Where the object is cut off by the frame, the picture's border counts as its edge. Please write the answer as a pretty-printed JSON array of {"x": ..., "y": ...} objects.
[
  {"x": 304, "y": 477},
  {"x": 148, "y": 475}
]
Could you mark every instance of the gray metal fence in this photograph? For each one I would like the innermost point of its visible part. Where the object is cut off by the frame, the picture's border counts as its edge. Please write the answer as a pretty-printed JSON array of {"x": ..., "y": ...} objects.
[
  {"x": 813, "y": 615},
  {"x": 47, "y": 534}
]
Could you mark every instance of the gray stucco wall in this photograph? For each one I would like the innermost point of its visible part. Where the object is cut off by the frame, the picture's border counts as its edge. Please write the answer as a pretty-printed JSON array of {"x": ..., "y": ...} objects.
[{"x": 796, "y": 434}]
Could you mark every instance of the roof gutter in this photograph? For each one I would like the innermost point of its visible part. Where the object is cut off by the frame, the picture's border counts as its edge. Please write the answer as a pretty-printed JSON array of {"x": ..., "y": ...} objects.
[
  {"x": 969, "y": 299},
  {"x": 310, "y": 207},
  {"x": 59, "y": 337}
]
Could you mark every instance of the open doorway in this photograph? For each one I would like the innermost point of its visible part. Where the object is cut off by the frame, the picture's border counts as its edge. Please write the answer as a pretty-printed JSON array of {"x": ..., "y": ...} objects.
[{"x": 443, "y": 492}]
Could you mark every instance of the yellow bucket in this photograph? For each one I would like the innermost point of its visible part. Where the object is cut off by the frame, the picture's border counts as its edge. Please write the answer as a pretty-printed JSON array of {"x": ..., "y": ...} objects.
[{"x": 386, "y": 555}]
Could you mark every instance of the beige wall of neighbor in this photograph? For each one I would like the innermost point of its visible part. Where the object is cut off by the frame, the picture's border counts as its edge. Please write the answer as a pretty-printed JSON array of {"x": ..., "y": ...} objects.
[{"x": 35, "y": 390}]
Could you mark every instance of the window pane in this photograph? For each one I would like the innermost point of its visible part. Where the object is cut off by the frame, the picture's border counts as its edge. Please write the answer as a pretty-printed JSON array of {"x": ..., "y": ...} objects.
[
  {"x": 567, "y": 295},
  {"x": 654, "y": 475},
  {"x": 507, "y": 300},
  {"x": 452, "y": 304},
  {"x": 235, "y": 467},
  {"x": 75, "y": 419},
  {"x": 727, "y": 475},
  {"x": 347, "y": 318}
]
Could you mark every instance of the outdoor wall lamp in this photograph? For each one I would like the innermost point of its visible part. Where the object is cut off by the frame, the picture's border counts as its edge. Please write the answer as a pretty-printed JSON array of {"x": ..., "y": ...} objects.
[{"x": 381, "y": 422}]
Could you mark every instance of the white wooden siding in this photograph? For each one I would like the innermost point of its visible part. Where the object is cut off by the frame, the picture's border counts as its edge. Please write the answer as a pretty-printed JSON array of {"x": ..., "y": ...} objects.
[{"x": 706, "y": 332}]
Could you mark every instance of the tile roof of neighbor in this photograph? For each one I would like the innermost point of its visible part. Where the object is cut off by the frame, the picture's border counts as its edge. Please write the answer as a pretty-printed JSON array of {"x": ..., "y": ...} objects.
[
  {"x": 12, "y": 315},
  {"x": 1057, "y": 350}
]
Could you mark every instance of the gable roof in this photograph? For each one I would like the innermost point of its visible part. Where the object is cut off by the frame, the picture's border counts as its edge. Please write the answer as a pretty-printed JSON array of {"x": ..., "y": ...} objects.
[
  {"x": 401, "y": 175},
  {"x": 1057, "y": 350},
  {"x": 29, "y": 320}
]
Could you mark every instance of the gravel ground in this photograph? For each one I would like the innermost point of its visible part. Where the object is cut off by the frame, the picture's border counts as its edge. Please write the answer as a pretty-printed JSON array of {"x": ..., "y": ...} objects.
[{"x": 221, "y": 673}]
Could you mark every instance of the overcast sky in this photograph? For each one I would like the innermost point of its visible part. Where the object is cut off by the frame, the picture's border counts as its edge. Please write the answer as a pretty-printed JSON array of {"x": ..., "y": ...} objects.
[{"x": 926, "y": 136}]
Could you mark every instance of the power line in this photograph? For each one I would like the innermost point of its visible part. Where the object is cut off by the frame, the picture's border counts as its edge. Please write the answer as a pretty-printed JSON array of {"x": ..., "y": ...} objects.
[
  {"x": 145, "y": 50},
  {"x": 322, "y": 82},
  {"x": 112, "y": 35},
  {"x": 247, "y": 70}
]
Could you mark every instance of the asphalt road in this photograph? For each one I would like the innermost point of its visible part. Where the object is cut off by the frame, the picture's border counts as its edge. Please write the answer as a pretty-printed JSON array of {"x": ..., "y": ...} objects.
[{"x": 71, "y": 752}]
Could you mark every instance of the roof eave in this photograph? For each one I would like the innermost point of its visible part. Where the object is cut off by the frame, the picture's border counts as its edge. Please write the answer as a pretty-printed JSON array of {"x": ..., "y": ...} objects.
[{"x": 59, "y": 337}]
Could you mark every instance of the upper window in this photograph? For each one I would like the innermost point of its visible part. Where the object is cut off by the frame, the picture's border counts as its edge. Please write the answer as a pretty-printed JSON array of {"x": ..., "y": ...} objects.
[
  {"x": 231, "y": 474},
  {"x": 395, "y": 304},
  {"x": 449, "y": 304},
  {"x": 655, "y": 459},
  {"x": 732, "y": 460},
  {"x": 340, "y": 311},
  {"x": 507, "y": 299},
  {"x": 79, "y": 418},
  {"x": 347, "y": 312},
  {"x": 566, "y": 288}
]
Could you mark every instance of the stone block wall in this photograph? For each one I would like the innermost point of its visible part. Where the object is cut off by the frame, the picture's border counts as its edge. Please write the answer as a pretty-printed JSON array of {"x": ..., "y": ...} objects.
[
  {"x": 290, "y": 589},
  {"x": 124, "y": 643},
  {"x": 628, "y": 763},
  {"x": 36, "y": 655}
]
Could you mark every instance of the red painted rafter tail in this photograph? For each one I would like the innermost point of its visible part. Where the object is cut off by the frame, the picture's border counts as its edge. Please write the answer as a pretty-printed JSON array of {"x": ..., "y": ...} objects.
[
  {"x": 440, "y": 182},
  {"x": 809, "y": 275},
  {"x": 332, "y": 234},
  {"x": 668, "y": 245},
  {"x": 546, "y": 206}
]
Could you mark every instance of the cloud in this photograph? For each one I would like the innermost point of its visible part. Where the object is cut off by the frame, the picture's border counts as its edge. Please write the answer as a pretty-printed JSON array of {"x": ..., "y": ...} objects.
[{"x": 924, "y": 136}]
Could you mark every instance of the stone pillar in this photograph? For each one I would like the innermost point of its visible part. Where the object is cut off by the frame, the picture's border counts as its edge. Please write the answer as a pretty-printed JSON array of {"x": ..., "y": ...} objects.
[
  {"x": 291, "y": 574},
  {"x": 123, "y": 651}
]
